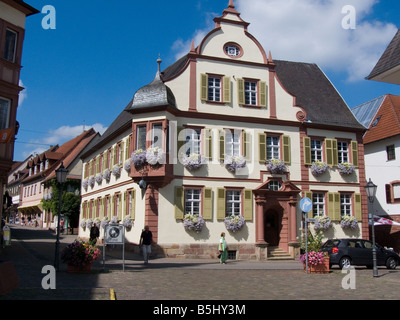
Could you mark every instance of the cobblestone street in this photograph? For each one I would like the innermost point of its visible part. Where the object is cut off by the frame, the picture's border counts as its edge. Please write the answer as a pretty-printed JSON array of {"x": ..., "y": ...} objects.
[{"x": 172, "y": 279}]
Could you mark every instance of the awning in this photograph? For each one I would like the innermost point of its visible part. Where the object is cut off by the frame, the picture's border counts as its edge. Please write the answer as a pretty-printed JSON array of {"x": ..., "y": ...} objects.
[{"x": 38, "y": 208}]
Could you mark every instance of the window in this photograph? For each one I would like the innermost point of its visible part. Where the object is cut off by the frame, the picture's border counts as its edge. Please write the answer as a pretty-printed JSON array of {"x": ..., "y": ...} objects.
[
  {"x": 193, "y": 139},
  {"x": 10, "y": 45},
  {"x": 396, "y": 191},
  {"x": 273, "y": 147},
  {"x": 156, "y": 135},
  {"x": 232, "y": 142},
  {"x": 4, "y": 113},
  {"x": 318, "y": 204},
  {"x": 192, "y": 201},
  {"x": 233, "y": 202},
  {"x": 232, "y": 50},
  {"x": 316, "y": 150},
  {"x": 391, "y": 153},
  {"x": 250, "y": 93},
  {"x": 345, "y": 204},
  {"x": 214, "y": 89},
  {"x": 141, "y": 137},
  {"x": 274, "y": 185},
  {"x": 343, "y": 151}
]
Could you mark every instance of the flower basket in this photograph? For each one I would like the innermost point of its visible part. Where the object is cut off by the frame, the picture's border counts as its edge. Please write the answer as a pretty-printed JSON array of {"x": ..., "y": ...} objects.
[
  {"x": 99, "y": 178},
  {"x": 79, "y": 254},
  {"x": 128, "y": 223},
  {"x": 345, "y": 168},
  {"x": 234, "y": 223},
  {"x": 83, "y": 224},
  {"x": 85, "y": 183},
  {"x": 127, "y": 165},
  {"x": 322, "y": 223},
  {"x": 318, "y": 262},
  {"x": 138, "y": 158},
  {"x": 89, "y": 223},
  {"x": 193, "y": 222},
  {"x": 104, "y": 222},
  {"x": 192, "y": 161},
  {"x": 116, "y": 171},
  {"x": 155, "y": 156},
  {"x": 107, "y": 175},
  {"x": 91, "y": 181},
  {"x": 276, "y": 166},
  {"x": 318, "y": 168},
  {"x": 233, "y": 163},
  {"x": 349, "y": 222}
]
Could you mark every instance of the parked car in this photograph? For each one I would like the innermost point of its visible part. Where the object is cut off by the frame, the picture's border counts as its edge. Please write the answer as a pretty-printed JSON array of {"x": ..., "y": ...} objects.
[{"x": 358, "y": 252}]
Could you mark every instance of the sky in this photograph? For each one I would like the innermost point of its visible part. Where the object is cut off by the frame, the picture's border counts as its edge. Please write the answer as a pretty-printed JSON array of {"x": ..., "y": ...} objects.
[{"x": 83, "y": 72}]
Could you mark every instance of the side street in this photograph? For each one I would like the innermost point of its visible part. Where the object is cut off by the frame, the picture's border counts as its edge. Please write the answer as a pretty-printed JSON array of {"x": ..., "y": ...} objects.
[{"x": 178, "y": 279}]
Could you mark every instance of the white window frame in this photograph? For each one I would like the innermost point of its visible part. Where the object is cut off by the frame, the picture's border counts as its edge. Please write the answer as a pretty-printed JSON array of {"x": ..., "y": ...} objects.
[
  {"x": 193, "y": 141},
  {"x": 193, "y": 201},
  {"x": 233, "y": 203},
  {"x": 214, "y": 89},
  {"x": 343, "y": 151},
  {"x": 316, "y": 150},
  {"x": 233, "y": 142},
  {"x": 318, "y": 204},
  {"x": 250, "y": 93},
  {"x": 345, "y": 205},
  {"x": 141, "y": 144},
  {"x": 273, "y": 147}
]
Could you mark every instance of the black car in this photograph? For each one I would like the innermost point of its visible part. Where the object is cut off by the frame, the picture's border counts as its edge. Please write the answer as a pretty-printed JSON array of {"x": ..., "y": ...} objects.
[{"x": 358, "y": 252}]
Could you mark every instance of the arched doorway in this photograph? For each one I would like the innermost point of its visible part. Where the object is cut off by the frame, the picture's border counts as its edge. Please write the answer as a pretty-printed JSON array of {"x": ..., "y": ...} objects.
[{"x": 272, "y": 227}]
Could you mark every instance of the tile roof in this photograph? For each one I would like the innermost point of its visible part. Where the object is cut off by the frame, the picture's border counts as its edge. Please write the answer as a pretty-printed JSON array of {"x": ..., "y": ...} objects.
[
  {"x": 389, "y": 59},
  {"x": 386, "y": 122}
]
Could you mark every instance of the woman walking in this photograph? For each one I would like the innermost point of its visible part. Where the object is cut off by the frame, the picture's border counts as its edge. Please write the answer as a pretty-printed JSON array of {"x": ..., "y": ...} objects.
[{"x": 223, "y": 249}]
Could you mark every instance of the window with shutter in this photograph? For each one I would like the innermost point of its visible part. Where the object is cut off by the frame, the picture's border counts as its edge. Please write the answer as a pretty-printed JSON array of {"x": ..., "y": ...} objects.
[
  {"x": 207, "y": 204},
  {"x": 286, "y": 149},
  {"x": 248, "y": 205},
  {"x": 354, "y": 153},
  {"x": 262, "y": 147},
  {"x": 179, "y": 203},
  {"x": 209, "y": 145},
  {"x": 307, "y": 150},
  {"x": 220, "y": 203}
]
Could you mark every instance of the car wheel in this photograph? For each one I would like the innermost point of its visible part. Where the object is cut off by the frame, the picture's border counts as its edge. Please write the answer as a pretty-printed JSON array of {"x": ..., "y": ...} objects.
[
  {"x": 344, "y": 262},
  {"x": 391, "y": 263}
]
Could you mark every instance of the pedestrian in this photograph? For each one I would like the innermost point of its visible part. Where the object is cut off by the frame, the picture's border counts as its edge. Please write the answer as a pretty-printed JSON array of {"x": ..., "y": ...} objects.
[
  {"x": 94, "y": 234},
  {"x": 146, "y": 239},
  {"x": 223, "y": 249}
]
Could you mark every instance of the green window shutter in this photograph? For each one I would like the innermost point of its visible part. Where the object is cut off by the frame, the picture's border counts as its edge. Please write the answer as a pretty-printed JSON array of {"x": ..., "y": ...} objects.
[
  {"x": 102, "y": 207},
  {"x": 331, "y": 153},
  {"x": 179, "y": 202},
  {"x": 112, "y": 206},
  {"x": 307, "y": 150},
  {"x": 127, "y": 155},
  {"x": 247, "y": 145},
  {"x": 208, "y": 144},
  {"x": 354, "y": 153},
  {"x": 221, "y": 204},
  {"x": 309, "y": 195},
  {"x": 262, "y": 147},
  {"x": 221, "y": 145},
  {"x": 133, "y": 202},
  {"x": 121, "y": 152},
  {"x": 96, "y": 170},
  {"x": 357, "y": 207},
  {"x": 207, "y": 204},
  {"x": 248, "y": 205},
  {"x": 119, "y": 199},
  {"x": 286, "y": 149},
  {"x": 203, "y": 87},
  {"x": 263, "y": 94},
  {"x": 240, "y": 84},
  {"x": 227, "y": 89},
  {"x": 334, "y": 206}
]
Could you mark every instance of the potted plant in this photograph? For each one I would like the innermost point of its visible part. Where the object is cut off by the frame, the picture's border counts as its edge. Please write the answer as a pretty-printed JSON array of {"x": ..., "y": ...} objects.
[
  {"x": 349, "y": 222},
  {"x": 318, "y": 168},
  {"x": 79, "y": 256},
  {"x": 85, "y": 183},
  {"x": 234, "y": 162},
  {"x": 128, "y": 223},
  {"x": 193, "y": 222},
  {"x": 192, "y": 161},
  {"x": 234, "y": 223},
  {"x": 91, "y": 181},
  {"x": 127, "y": 165},
  {"x": 99, "y": 178},
  {"x": 345, "y": 168},
  {"x": 276, "y": 166},
  {"x": 155, "y": 156},
  {"x": 318, "y": 262},
  {"x": 116, "y": 171},
  {"x": 138, "y": 158},
  {"x": 107, "y": 175}
]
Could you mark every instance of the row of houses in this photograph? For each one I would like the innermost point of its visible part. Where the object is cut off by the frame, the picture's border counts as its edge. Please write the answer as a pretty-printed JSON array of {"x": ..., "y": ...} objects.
[{"x": 226, "y": 139}]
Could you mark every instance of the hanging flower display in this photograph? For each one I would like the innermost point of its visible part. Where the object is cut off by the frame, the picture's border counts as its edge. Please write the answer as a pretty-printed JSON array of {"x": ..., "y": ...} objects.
[
  {"x": 104, "y": 222},
  {"x": 107, "y": 175},
  {"x": 85, "y": 183},
  {"x": 276, "y": 166},
  {"x": 138, "y": 157},
  {"x": 349, "y": 222},
  {"x": 234, "y": 223},
  {"x": 345, "y": 168},
  {"x": 128, "y": 223},
  {"x": 116, "y": 171},
  {"x": 154, "y": 156},
  {"x": 127, "y": 165},
  {"x": 83, "y": 224},
  {"x": 99, "y": 178},
  {"x": 193, "y": 222},
  {"x": 192, "y": 161},
  {"x": 318, "y": 167},
  {"x": 91, "y": 181},
  {"x": 234, "y": 162},
  {"x": 322, "y": 223}
]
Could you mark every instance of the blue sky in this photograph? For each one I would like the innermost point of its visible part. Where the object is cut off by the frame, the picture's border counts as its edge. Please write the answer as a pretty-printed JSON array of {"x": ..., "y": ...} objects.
[{"x": 85, "y": 72}]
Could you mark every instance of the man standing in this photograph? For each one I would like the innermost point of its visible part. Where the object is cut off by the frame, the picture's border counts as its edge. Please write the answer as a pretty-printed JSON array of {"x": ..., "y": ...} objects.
[{"x": 146, "y": 239}]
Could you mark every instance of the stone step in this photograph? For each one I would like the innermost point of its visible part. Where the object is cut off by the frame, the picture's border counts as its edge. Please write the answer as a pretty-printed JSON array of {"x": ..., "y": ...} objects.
[{"x": 276, "y": 253}]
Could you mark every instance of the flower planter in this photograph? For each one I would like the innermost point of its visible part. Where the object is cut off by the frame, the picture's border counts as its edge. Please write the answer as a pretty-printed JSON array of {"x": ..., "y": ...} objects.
[
  {"x": 79, "y": 269},
  {"x": 319, "y": 268}
]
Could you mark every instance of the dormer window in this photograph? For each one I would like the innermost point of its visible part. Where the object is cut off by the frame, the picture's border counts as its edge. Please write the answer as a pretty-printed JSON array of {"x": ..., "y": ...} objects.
[{"x": 233, "y": 50}]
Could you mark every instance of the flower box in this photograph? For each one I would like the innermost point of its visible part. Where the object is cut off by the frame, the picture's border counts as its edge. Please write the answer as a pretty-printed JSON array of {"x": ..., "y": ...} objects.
[
  {"x": 193, "y": 222},
  {"x": 318, "y": 168},
  {"x": 276, "y": 166},
  {"x": 318, "y": 262},
  {"x": 192, "y": 161},
  {"x": 79, "y": 269},
  {"x": 233, "y": 163},
  {"x": 234, "y": 223},
  {"x": 345, "y": 168}
]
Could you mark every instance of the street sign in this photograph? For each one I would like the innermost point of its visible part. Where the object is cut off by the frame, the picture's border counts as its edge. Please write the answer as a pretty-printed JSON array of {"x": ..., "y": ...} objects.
[{"x": 305, "y": 204}]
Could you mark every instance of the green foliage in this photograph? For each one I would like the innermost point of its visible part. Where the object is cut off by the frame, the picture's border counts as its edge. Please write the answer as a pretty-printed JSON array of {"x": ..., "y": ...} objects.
[
  {"x": 70, "y": 203},
  {"x": 314, "y": 241}
]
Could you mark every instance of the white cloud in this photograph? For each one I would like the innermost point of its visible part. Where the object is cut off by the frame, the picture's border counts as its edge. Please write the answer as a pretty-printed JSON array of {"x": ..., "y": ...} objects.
[
  {"x": 311, "y": 31},
  {"x": 182, "y": 47},
  {"x": 23, "y": 94}
]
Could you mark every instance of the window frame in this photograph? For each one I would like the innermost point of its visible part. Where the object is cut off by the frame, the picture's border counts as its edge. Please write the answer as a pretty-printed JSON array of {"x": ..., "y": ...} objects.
[
  {"x": 343, "y": 153},
  {"x": 236, "y": 204},
  {"x": 391, "y": 152},
  {"x": 319, "y": 204},
  {"x": 190, "y": 191},
  {"x": 15, "y": 46},
  {"x": 213, "y": 89},
  {"x": 6, "y": 113},
  {"x": 271, "y": 148},
  {"x": 346, "y": 207},
  {"x": 251, "y": 94}
]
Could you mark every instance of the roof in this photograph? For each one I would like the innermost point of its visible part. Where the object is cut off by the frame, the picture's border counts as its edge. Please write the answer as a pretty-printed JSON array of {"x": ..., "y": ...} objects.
[
  {"x": 386, "y": 121},
  {"x": 22, "y": 6},
  {"x": 389, "y": 60},
  {"x": 316, "y": 94},
  {"x": 366, "y": 112}
]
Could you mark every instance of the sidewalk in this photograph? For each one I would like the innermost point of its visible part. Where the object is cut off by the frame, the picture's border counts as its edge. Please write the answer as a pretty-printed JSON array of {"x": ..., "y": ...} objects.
[{"x": 179, "y": 279}]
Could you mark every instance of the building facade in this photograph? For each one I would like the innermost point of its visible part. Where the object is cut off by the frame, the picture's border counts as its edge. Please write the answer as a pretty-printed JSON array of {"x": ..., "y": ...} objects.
[
  {"x": 237, "y": 138},
  {"x": 12, "y": 31}
]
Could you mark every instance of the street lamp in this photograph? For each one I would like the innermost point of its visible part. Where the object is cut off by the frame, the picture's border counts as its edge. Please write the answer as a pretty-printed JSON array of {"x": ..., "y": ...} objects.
[
  {"x": 61, "y": 175},
  {"x": 370, "y": 189}
]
